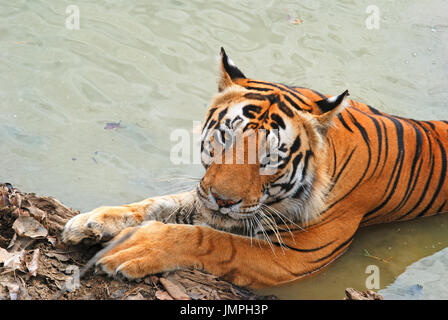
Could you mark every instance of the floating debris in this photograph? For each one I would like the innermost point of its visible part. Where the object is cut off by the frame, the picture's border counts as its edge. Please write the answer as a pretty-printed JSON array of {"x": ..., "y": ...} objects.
[
  {"x": 113, "y": 125},
  {"x": 367, "y": 254},
  {"x": 294, "y": 20}
]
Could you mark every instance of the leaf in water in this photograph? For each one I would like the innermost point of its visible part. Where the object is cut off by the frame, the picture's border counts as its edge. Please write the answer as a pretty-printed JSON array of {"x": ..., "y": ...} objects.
[
  {"x": 293, "y": 20},
  {"x": 113, "y": 125},
  {"x": 29, "y": 227}
]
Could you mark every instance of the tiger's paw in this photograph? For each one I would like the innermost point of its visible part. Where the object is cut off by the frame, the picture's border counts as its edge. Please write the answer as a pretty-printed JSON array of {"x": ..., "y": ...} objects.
[
  {"x": 101, "y": 224},
  {"x": 142, "y": 254}
]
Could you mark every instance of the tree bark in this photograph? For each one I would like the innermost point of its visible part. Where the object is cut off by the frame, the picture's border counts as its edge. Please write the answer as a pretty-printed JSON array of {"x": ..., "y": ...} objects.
[{"x": 36, "y": 267}]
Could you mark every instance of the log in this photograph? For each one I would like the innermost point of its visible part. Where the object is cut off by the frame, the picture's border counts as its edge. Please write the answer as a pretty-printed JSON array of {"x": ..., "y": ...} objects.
[
  {"x": 354, "y": 294},
  {"x": 37, "y": 265}
]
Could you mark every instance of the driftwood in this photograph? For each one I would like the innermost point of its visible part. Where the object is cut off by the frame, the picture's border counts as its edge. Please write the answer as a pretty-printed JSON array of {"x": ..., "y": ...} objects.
[
  {"x": 35, "y": 264},
  {"x": 354, "y": 294}
]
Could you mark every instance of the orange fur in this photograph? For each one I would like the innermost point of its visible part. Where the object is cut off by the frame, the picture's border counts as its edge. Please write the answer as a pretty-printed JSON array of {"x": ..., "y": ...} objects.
[{"x": 359, "y": 167}]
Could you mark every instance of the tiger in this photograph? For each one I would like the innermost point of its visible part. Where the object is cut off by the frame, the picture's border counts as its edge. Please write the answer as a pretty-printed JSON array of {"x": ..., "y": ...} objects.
[{"x": 340, "y": 165}]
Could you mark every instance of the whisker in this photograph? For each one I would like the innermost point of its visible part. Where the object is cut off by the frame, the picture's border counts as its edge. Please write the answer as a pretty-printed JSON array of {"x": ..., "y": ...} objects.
[
  {"x": 287, "y": 218},
  {"x": 280, "y": 216},
  {"x": 274, "y": 228},
  {"x": 248, "y": 229},
  {"x": 268, "y": 239}
]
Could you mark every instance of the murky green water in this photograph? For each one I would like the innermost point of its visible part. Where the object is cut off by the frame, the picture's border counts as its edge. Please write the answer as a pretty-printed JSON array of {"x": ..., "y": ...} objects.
[{"x": 151, "y": 66}]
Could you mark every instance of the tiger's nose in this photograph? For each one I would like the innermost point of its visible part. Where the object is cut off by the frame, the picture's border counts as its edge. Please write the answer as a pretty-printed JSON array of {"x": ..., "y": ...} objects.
[{"x": 223, "y": 203}]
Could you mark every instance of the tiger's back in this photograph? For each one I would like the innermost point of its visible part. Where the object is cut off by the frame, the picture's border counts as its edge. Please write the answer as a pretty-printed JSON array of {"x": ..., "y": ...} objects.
[{"x": 397, "y": 167}]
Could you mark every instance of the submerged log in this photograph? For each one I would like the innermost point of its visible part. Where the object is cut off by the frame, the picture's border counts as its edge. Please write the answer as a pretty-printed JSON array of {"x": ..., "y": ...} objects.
[{"x": 35, "y": 264}]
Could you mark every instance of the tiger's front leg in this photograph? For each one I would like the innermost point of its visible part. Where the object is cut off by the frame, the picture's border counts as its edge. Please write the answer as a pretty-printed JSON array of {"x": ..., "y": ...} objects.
[
  {"x": 157, "y": 247},
  {"x": 104, "y": 223}
]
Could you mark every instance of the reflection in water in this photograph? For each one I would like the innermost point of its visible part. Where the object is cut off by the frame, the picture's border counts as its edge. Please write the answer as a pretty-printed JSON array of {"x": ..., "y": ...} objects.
[{"x": 151, "y": 67}]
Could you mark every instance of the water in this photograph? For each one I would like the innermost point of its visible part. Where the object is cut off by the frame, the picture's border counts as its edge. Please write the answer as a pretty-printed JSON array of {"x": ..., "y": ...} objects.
[
  {"x": 151, "y": 66},
  {"x": 423, "y": 280}
]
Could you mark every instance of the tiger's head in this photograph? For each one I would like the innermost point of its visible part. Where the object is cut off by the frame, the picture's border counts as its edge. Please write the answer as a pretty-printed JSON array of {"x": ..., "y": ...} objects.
[{"x": 263, "y": 146}]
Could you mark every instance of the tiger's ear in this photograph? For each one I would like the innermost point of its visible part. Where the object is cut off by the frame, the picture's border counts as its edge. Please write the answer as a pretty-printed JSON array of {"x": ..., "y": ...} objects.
[
  {"x": 330, "y": 108},
  {"x": 228, "y": 72}
]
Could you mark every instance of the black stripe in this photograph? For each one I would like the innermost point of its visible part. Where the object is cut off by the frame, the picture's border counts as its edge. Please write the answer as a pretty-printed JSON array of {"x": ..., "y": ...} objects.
[
  {"x": 283, "y": 107},
  {"x": 212, "y": 123},
  {"x": 433, "y": 127},
  {"x": 283, "y": 88},
  {"x": 431, "y": 164},
  {"x": 344, "y": 123},
  {"x": 398, "y": 162},
  {"x": 366, "y": 140},
  {"x": 302, "y": 250},
  {"x": 279, "y": 120},
  {"x": 374, "y": 111},
  {"x": 425, "y": 189},
  {"x": 379, "y": 140},
  {"x": 342, "y": 169},
  {"x": 250, "y": 110},
  {"x": 210, "y": 114},
  {"x": 386, "y": 146},
  {"x": 412, "y": 176},
  {"x": 339, "y": 247},
  {"x": 441, "y": 207},
  {"x": 292, "y": 103},
  {"x": 256, "y": 96},
  {"x": 308, "y": 154},
  {"x": 295, "y": 164},
  {"x": 441, "y": 179},
  {"x": 296, "y": 145},
  {"x": 222, "y": 114},
  {"x": 258, "y": 89}
]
